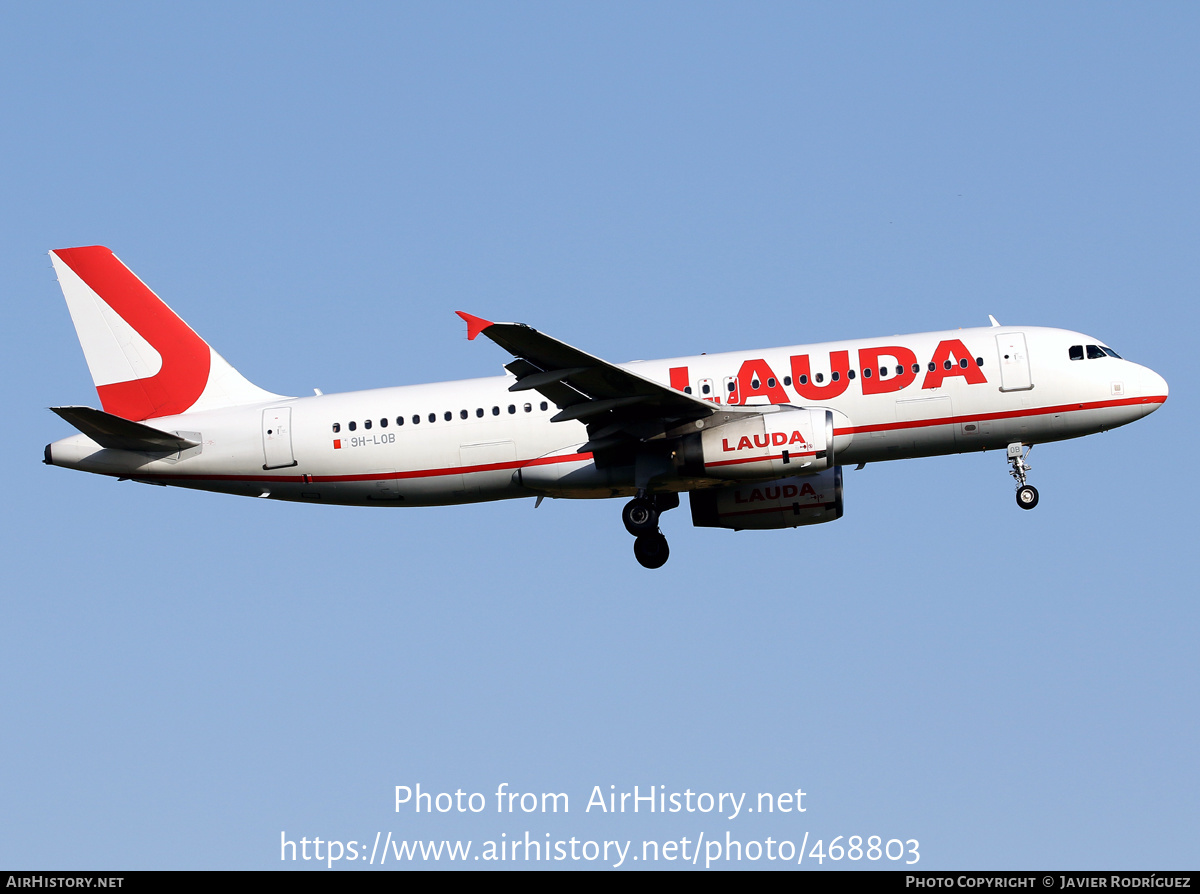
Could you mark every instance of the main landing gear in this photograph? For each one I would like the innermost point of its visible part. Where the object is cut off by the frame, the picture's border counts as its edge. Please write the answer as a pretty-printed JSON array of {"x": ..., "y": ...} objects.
[
  {"x": 640, "y": 516},
  {"x": 1027, "y": 495}
]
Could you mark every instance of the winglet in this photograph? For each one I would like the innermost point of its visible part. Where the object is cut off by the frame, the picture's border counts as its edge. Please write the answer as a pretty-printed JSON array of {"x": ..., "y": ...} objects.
[{"x": 475, "y": 325}]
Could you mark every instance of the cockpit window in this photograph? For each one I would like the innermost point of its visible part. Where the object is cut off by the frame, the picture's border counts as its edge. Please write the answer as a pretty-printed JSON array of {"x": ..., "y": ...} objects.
[
  {"x": 1095, "y": 352},
  {"x": 1076, "y": 352},
  {"x": 1110, "y": 352}
]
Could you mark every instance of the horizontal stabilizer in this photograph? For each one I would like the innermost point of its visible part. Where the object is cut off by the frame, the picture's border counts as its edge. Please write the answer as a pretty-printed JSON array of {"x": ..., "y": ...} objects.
[{"x": 117, "y": 433}]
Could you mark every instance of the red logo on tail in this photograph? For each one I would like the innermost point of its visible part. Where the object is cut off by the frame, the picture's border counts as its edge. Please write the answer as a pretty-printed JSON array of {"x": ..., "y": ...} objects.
[{"x": 185, "y": 355}]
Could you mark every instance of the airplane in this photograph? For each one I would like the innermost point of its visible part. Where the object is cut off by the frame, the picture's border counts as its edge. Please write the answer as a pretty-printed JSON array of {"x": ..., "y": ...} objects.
[{"x": 757, "y": 439}]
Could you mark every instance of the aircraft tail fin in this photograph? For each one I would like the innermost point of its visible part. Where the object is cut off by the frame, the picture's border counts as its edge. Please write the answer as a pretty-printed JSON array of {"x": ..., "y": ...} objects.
[{"x": 146, "y": 362}]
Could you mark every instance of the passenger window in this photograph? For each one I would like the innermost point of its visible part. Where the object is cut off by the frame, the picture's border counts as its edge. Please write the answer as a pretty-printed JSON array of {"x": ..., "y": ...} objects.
[
  {"x": 963, "y": 363},
  {"x": 819, "y": 378},
  {"x": 512, "y": 408},
  {"x": 433, "y": 417},
  {"x": 947, "y": 365},
  {"x": 463, "y": 414},
  {"x": 979, "y": 361},
  {"x": 447, "y": 415},
  {"x": 1075, "y": 352},
  {"x": 835, "y": 376},
  {"x": 706, "y": 389},
  {"x": 803, "y": 380},
  {"x": 883, "y": 372},
  {"x": 383, "y": 422},
  {"x": 687, "y": 389},
  {"x": 352, "y": 426},
  {"x": 866, "y": 372},
  {"x": 787, "y": 380},
  {"x": 399, "y": 420},
  {"x": 916, "y": 368},
  {"x": 479, "y": 412},
  {"x": 932, "y": 366},
  {"x": 528, "y": 408},
  {"x": 367, "y": 424},
  {"x": 416, "y": 420},
  {"x": 495, "y": 411},
  {"x": 337, "y": 427},
  {"x": 851, "y": 374},
  {"x": 545, "y": 406},
  {"x": 770, "y": 383}
]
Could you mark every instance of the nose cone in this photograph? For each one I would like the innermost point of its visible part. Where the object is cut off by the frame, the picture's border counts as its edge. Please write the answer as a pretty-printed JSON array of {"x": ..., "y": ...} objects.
[
  {"x": 1157, "y": 386},
  {"x": 1152, "y": 389}
]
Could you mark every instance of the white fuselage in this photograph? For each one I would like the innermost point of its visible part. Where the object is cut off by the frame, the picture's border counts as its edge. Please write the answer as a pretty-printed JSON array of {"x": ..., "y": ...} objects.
[{"x": 466, "y": 441}]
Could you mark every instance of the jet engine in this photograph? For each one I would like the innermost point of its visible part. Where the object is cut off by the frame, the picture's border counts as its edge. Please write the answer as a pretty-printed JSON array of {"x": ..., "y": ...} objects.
[
  {"x": 783, "y": 503},
  {"x": 793, "y": 441}
]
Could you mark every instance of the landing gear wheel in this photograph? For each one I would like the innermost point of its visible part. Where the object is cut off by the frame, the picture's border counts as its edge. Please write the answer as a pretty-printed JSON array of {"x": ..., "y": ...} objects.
[
  {"x": 640, "y": 517},
  {"x": 1027, "y": 495},
  {"x": 651, "y": 550}
]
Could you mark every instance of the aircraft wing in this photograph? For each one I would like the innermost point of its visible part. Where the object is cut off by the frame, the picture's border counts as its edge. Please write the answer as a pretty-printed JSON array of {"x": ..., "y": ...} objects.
[{"x": 617, "y": 405}]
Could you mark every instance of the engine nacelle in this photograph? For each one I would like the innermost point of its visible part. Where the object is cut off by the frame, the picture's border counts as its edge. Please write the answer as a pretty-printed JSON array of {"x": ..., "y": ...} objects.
[
  {"x": 793, "y": 441},
  {"x": 785, "y": 503}
]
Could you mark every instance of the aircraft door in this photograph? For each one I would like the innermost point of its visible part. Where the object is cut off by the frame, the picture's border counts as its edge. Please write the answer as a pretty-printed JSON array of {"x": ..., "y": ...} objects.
[
  {"x": 1014, "y": 362},
  {"x": 277, "y": 438}
]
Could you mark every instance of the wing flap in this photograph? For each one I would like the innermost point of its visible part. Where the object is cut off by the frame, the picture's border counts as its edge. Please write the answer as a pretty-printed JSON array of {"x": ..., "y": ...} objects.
[
  {"x": 549, "y": 377},
  {"x": 588, "y": 409}
]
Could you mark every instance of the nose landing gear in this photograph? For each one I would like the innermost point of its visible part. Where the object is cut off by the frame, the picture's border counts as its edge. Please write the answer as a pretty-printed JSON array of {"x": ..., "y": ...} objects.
[
  {"x": 640, "y": 516},
  {"x": 1027, "y": 495}
]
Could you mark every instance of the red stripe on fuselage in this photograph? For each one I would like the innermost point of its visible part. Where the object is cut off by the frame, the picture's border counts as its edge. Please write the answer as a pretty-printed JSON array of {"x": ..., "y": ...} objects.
[
  {"x": 382, "y": 476},
  {"x": 580, "y": 457},
  {"x": 1008, "y": 414}
]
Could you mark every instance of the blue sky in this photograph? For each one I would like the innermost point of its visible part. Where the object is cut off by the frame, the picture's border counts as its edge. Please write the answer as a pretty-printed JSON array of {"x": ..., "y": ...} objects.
[{"x": 186, "y": 676}]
